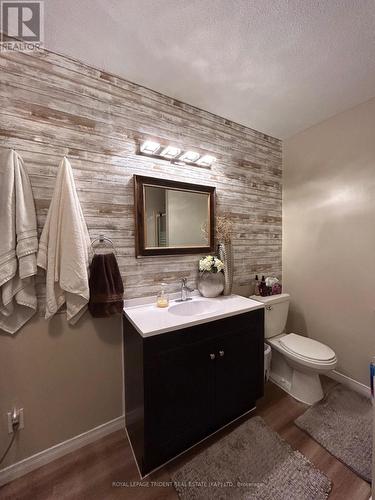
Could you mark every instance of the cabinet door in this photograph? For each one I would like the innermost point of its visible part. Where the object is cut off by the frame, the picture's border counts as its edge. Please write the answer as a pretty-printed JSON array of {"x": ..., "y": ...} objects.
[
  {"x": 178, "y": 401},
  {"x": 238, "y": 374}
]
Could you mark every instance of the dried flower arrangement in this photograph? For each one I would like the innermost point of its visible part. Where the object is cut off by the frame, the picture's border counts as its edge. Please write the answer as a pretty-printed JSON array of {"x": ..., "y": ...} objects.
[{"x": 224, "y": 228}]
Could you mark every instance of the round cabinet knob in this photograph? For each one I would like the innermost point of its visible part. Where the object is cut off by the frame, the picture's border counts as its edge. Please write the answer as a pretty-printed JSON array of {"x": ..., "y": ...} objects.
[
  {"x": 221, "y": 354},
  {"x": 212, "y": 356}
]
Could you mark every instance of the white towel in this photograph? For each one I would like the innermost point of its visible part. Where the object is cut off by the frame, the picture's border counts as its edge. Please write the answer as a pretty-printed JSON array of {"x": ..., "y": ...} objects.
[
  {"x": 18, "y": 244},
  {"x": 64, "y": 249}
]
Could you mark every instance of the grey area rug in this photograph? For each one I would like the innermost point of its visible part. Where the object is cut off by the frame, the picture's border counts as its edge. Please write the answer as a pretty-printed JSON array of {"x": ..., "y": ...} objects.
[
  {"x": 252, "y": 462},
  {"x": 342, "y": 424}
]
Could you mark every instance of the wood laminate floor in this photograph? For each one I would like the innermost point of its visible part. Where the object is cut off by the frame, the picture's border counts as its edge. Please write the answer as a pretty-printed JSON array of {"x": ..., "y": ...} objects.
[{"x": 106, "y": 469}]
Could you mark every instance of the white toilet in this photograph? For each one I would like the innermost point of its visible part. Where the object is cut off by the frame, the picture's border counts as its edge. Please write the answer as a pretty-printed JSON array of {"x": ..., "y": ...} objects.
[{"x": 296, "y": 360}]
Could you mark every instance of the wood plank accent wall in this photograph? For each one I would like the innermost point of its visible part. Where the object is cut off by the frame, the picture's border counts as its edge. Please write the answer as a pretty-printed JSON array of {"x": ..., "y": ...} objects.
[{"x": 51, "y": 106}]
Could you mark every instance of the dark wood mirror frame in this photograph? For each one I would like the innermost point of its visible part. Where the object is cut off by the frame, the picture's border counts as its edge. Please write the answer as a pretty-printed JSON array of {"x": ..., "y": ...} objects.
[{"x": 140, "y": 247}]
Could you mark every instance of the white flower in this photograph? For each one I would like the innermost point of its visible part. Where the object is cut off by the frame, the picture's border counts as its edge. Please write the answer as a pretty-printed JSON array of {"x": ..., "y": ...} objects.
[
  {"x": 206, "y": 263},
  {"x": 218, "y": 264},
  {"x": 210, "y": 263}
]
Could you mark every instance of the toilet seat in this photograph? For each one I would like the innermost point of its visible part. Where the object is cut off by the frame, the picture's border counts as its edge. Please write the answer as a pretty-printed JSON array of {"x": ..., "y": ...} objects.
[{"x": 308, "y": 349}]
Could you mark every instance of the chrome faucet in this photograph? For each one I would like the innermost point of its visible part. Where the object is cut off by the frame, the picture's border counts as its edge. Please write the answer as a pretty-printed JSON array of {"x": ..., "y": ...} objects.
[{"x": 185, "y": 290}]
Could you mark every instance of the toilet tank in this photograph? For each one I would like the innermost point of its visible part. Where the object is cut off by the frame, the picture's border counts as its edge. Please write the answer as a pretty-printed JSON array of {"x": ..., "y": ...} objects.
[{"x": 275, "y": 313}]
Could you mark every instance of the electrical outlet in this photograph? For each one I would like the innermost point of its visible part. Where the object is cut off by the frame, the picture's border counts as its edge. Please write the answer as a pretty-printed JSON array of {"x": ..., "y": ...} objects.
[{"x": 14, "y": 416}]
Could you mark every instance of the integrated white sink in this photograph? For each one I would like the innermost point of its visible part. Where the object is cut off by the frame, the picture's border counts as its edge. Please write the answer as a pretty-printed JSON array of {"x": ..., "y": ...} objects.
[
  {"x": 151, "y": 320},
  {"x": 193, "y": 308}
]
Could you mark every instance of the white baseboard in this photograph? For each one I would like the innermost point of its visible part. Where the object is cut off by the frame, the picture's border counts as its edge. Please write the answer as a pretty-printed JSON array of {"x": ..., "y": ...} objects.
[
  {"x": 44, "y": 457},
  {"x": 350, "y": 382}
]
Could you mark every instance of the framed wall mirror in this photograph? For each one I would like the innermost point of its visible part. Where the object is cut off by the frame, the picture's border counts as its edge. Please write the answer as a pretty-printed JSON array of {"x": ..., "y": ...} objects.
[{"x": 173, "y": 217}]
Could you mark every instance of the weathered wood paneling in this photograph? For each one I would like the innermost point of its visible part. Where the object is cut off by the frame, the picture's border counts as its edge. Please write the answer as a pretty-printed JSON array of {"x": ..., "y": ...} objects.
[{"x": 52, "y": 106}]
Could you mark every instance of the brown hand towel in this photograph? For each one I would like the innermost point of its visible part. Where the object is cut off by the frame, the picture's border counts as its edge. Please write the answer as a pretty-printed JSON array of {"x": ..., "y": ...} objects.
[{"x": 106, "y": 287}]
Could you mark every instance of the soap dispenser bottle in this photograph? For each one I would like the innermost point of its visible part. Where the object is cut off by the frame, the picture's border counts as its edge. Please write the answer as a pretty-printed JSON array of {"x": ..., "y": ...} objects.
[{"x": 162, "y": 297}]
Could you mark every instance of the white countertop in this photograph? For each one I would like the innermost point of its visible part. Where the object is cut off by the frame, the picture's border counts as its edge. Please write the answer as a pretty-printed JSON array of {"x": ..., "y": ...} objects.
[{"x": 149, "y": 320}]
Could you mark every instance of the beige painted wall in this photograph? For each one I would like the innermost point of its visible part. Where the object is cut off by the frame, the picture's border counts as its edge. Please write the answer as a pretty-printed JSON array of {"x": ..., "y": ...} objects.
[
  {"x": 329, "y": 235},
  {"x": 67, "y": 379}
]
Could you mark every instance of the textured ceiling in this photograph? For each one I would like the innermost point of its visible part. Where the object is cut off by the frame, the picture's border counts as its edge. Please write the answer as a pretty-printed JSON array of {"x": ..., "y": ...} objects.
[{"x": 276, "y": 66}]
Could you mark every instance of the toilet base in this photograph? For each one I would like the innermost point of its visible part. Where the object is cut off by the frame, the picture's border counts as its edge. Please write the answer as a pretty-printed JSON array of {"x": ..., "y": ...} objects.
[
  {"x": 302, "y": 386},
  {"x": 308, "y": 391}
]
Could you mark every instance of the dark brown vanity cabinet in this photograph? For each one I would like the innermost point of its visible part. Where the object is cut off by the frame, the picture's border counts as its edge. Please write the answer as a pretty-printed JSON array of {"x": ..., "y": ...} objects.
[{"x": 182, "y": 386}]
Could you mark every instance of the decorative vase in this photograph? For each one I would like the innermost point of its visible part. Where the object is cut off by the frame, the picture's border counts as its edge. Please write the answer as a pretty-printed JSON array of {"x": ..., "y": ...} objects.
[
  {"x": 210, "y": 284},
  {"x": 226, "y": 256}
]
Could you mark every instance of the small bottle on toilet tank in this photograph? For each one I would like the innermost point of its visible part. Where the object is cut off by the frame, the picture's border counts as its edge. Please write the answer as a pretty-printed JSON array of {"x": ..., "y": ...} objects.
[
  {"x": 263, "y": 287},
  {"x": 256, "y": 287}
]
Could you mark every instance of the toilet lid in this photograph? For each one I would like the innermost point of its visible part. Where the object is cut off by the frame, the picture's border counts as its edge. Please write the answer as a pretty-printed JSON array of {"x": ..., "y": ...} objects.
[{"x": 308, "y": 348}]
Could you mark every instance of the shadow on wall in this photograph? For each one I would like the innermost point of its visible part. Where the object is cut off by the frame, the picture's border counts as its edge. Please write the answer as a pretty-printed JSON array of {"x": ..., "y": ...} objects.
[
  {"x": 108, "y": 334},
  {"x": 296, "y": 322}
]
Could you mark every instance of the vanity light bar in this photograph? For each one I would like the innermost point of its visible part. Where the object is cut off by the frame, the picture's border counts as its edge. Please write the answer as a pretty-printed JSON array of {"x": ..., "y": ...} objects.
[
  {"x": 206, "y": 161},
  {"x": 190, "y": 156},
  {"x": 150, "y": 147},
  {"x": 175, "y": 155},
  {"x": 170, "y": 152}
]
